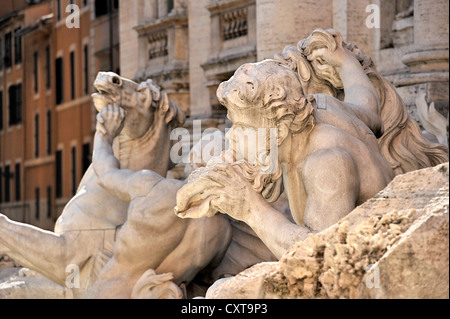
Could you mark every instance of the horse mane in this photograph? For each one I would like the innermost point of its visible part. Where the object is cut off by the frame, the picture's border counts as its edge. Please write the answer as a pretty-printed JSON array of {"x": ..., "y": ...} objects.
[
  {"x": 156, "y": 141},
  {"x": 402, "y": 143}
]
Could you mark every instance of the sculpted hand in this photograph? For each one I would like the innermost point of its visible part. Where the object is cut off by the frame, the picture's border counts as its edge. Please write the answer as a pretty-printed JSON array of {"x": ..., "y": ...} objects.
[
  {"x": 324, "y": 48},
  {"x": 222, "y": 189},
  {"x": 110, "y": 121}
]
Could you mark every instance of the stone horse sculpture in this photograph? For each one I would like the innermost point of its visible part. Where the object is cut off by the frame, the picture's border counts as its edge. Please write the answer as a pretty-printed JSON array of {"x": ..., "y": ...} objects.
[
  {"x": 153, "y": 237},
  {"x": 85, "y": 232},
  {"x": 343, "y": 133}
]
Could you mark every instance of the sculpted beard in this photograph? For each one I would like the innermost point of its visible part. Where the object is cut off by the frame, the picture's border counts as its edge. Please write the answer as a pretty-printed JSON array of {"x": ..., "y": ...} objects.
[
  {"x": 258, "y": 173},
  {"x": 261, "y": 169}
]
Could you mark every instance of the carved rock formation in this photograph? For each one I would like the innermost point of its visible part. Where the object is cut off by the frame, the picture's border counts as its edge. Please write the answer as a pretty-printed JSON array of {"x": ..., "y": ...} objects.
[{"x": 395, "y": 245}]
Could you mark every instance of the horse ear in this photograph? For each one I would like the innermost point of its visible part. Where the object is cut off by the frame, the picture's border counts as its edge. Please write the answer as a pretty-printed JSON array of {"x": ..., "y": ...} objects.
[
  {"x": 174, "y": 113},
  {"x": 164, "y": 103},
  {"x": 304, "y": 71},
  {"x": 144, "y": 89}
]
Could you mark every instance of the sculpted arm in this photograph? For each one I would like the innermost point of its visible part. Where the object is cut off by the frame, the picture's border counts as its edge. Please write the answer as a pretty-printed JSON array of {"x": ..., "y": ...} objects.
[
  {"x": 361, "y": 97},
  {"x": 122, "y": 183},
  {"x": 229, "y": 192},
  {"x": 274, "y": 229},
  {"x": 332, "y": 182}
]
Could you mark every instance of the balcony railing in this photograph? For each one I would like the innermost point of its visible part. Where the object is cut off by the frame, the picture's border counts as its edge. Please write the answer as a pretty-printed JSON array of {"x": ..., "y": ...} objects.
[
  {"x": 158, "y": 44},
  {"x": 234, "y": 24}
]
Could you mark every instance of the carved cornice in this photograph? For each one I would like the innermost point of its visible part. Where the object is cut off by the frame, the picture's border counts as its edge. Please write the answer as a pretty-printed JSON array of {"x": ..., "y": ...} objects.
[
  {"x": 175, "y": 20},
  {"x": 223, "y": 6}
]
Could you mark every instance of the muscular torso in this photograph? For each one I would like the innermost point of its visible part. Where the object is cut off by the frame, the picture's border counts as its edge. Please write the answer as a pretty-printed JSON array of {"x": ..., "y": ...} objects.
[
  {"x": 336, "y": 130},
  {"x": 92, "y": 208}
]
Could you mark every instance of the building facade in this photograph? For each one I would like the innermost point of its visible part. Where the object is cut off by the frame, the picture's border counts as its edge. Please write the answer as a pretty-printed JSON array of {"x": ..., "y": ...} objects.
[
  {"x": 12, "y": 128},
  {"x": 53, "y": 51}
]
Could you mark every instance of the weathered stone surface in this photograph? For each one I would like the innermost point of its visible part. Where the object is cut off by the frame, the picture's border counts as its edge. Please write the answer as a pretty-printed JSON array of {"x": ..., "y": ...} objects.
[
  {"x": 246, "y": 285},
  {"x": 393, "y": 246},
  {"x": 401, "y": 235},
  {"x": 18, "y": 284},
  {"x": 416, "y": 266}
]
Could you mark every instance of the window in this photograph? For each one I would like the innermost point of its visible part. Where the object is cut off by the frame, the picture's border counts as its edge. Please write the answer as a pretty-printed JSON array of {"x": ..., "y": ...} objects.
[
  {"x": 1, "y": 54},
  {"x": 8, "y": 54},
  {"x": 58, "y": 10},
  {"x": 7, "y": 184},
  {"x": 17, "y": 46},
  {"x": 15, "y": 104},
  {"x": 86, "y": 69},
  {"x": 74, "y": 170},
  {"x": 59, "y": 80},
  {"x": 84, "y": 3},
  {"x": 1, "y": 110},
  {"x": 101, "y": 8},
  {"x": 37, "y": 192},
  {"x": 72, "y": 75},
  {"x": 170, "y": 6},
  {"x": 47, "y": 68},
  {"x": 36, "y": 72},
  {"x": 49, "y": 132},
  {"x": 59, "y": 174},
  {"x": 17, "y": 175},
  {"x": 49, "y": 202},
  {"x": 86, "y": 160},
  {"x": 1, "y": 185},
  {"x": 36, "y": 135},
  {"x": 19, "y": 103},
  {"x": 11, "y": 104}
]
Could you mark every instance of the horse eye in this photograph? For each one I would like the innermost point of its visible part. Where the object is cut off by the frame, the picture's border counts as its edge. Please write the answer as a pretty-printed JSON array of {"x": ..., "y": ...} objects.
[
  {"x": 116, "y": 80},
  {"x": 250, "y": 83}
]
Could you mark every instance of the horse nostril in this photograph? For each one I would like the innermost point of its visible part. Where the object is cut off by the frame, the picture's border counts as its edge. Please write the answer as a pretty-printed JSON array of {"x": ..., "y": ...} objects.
[{"x": 116, "y": 80}]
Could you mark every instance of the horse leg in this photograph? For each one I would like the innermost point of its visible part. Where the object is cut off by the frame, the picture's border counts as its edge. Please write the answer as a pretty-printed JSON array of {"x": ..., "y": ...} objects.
[{"x": 34, "y": 248}]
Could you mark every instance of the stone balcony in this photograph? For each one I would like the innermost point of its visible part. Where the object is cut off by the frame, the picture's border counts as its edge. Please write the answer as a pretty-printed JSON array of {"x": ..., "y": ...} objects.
[
  {"x": 233, "y": 42},
  {"x": 164, "y": 54}
]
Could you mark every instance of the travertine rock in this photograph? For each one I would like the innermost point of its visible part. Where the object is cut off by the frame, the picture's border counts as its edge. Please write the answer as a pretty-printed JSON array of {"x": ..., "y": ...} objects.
[
  {"x": 246, "y": 285},
  {"x": 393, "y": 246}
]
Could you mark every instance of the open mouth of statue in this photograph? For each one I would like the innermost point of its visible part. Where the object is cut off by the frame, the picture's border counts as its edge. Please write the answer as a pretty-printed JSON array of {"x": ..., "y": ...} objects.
[{"x": 103, "y": 96}]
